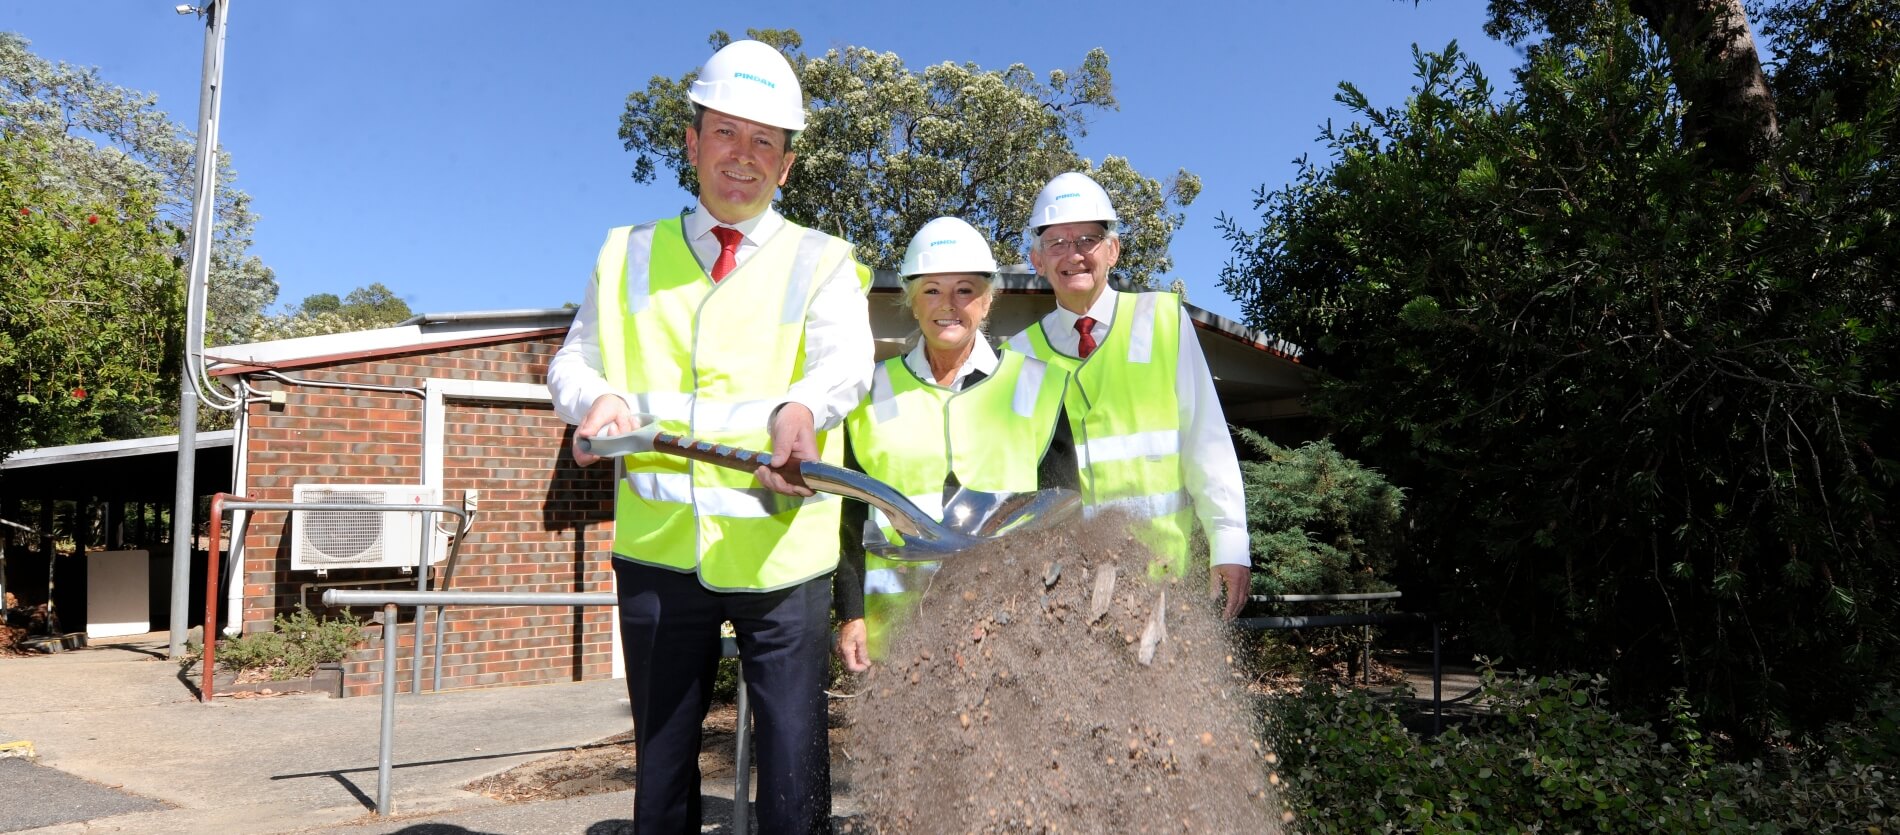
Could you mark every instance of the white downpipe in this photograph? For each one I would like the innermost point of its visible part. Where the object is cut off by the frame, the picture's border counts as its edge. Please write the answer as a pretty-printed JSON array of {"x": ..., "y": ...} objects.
[{"x": 241, "y": 472}]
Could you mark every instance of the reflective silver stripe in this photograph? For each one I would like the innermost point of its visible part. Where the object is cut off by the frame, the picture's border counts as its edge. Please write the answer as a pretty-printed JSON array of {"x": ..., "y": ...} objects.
[
  {"x": 1154, "y": 444},
  {"x": 705, "y": 415},
  {"x": 635, "y": 284},
  {"x": 804, "y": 271},
  {"x": 1141, "y": 337},
  {"x": 898, "y": 580},
  {"x": 1028, "y": 385},
  {"x": 1160, "y": 504},
  {"x": 883, "y": 398},
  {"x": 747, "y": 503},
  {"x": 1021, "y": 345}
]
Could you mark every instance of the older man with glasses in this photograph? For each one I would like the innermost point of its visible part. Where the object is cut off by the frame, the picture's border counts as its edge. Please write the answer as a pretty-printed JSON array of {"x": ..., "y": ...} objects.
[{"x": 1149, "y": 433}]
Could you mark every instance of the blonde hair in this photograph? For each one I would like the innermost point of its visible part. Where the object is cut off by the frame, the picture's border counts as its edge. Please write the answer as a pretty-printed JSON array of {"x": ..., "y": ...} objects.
[
  {"x": 909, "y": 284},
  {"x": 904, "y": 300}
]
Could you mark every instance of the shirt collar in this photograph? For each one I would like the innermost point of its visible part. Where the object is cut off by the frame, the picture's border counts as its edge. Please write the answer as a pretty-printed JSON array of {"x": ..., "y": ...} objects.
[
  {"x": 757, "y": 229},
  {"x": 982, "y": 358},
  {"x": 1102, "y": 311}
]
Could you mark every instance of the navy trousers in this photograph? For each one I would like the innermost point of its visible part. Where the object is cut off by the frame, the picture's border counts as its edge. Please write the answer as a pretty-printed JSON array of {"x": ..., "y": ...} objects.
[{"x": 669, "y": 633}]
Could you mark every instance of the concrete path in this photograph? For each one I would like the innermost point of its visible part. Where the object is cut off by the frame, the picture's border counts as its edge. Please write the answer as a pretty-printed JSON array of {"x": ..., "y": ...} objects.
[{"x": 120, "y": 716}]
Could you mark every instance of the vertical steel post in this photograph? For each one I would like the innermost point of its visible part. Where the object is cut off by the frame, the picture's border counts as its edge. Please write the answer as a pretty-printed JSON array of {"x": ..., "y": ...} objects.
[
  {"x": 47, "y": 548},
  {"x": 1438, "y": 676},
  {"x": 422, "y": 584},
  {"x": 742, "y": 760},
  {"x": 1365, "y": 649},
  {"x": 203, "y": 209},
  {"x": 386, "y": 742}
]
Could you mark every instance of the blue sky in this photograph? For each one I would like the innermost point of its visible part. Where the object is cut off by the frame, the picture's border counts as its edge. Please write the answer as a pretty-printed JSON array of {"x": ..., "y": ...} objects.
[{"x": 465, "y": 153}]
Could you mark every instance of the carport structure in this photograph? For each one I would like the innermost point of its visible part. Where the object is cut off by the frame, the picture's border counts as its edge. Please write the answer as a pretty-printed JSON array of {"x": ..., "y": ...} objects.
[{"x": 112, "y": 502}]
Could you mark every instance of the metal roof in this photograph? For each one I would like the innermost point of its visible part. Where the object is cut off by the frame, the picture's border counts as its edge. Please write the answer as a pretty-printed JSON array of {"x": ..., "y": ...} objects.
[{"x": 141, "y": 469}]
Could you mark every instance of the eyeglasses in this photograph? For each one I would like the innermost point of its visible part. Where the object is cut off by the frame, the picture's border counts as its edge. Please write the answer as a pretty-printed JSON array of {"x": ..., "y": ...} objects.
[{"x": 1084, "y": 244}]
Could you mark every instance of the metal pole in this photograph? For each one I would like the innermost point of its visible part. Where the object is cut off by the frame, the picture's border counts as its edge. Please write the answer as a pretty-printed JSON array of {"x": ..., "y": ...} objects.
[
  {"x": 1365, "y": 649},
  {"x": 742, "y": 755},
  {"x": 389, "y": 710},
  {"x": 47, "y": 546},
  {"x": 196, "y": 283},
  {"x": 373, "y": 597},
  {"x": 422, "y": 611},
  {"x": 1438, "y": 676}
]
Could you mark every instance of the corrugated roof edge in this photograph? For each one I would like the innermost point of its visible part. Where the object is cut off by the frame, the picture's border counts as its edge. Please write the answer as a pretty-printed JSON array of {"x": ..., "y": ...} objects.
[{"x": 112, "y": 449}]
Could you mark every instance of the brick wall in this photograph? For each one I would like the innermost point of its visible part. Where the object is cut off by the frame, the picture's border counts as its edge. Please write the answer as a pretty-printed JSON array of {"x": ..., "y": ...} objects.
[{"x": 543, "y": 524}]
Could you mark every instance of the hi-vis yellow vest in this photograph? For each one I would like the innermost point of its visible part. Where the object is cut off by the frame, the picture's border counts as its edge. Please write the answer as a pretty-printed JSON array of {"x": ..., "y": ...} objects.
[
  {"x": 1126, "y": 418},
  {"x": 911, "y": 434},
  {"x": 712, "y": 361}
]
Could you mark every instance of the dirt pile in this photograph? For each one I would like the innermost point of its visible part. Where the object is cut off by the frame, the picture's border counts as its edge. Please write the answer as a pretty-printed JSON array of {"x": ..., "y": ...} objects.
[{"x": 1046, "y": 684}]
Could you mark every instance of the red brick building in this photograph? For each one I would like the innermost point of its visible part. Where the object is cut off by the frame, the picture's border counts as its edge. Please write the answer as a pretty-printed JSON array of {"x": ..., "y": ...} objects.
[{"x": 457, "y": 403}]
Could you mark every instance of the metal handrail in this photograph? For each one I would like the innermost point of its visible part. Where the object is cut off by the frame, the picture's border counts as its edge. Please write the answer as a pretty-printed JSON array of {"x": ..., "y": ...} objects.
[
  {"x": 389, "y": 600},
  {"x": 1366, "y": 619},
  {"x": 1325, "y": 598}
]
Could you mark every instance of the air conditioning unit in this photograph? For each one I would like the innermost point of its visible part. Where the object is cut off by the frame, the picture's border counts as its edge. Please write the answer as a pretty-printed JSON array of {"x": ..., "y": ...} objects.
[{"x": 369, "y": 538}]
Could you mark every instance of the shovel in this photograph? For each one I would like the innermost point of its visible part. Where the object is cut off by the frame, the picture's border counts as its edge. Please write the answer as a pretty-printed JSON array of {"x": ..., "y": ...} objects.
[{"x": 970, "y": 518}]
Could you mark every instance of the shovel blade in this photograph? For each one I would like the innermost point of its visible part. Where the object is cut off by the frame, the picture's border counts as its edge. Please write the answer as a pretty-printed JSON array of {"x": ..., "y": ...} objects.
[{"x": 970, "y": 518}]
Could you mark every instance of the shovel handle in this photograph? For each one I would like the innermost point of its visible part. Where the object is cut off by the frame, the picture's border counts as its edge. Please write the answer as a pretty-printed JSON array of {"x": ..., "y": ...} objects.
[
  {"x": 650, "y": 439},
  {"x": 734, "y": 458}
]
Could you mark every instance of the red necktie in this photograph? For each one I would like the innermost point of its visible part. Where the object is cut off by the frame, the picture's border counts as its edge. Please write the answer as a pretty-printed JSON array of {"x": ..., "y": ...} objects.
[
  {"x": 1085, "y": 327},
  {"x": 729, "y": 239}
]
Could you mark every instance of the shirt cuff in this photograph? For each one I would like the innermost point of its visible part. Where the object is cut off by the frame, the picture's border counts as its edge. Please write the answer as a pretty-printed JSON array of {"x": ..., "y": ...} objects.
[
  {"x": 1230, "y": 547},
  {"x": 821, "y": 419}
]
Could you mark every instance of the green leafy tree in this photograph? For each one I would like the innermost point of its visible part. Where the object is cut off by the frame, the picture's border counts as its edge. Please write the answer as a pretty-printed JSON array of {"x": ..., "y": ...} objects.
[
  {"x": 373, "y": 306},
  {"x": 887, "y": 148},
  {"x": 107, "y": 141},
  {"x": 1708, "y": 46},
  {"x": 89, "y": 305},
  {"x": 1643, "y": 398}
]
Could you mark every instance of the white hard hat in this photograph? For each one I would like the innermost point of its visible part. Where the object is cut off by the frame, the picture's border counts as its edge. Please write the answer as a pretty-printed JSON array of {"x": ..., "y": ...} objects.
[
  {"x": 751, "y": 80},
  {"x": 1069, "y": 198},
  {"x": 947, "y": 245}
]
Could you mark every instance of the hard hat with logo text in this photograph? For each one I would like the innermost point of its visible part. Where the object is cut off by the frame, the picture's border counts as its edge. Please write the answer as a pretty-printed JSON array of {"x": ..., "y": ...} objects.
[
  {"x": 751, "y": 80},
  {"x": 947, "y": 245},
  {"x": 1069, "y": 198}
]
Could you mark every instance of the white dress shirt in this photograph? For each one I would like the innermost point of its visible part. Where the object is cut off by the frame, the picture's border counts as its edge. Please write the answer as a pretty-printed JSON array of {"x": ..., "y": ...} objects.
[
  {"x": 1209, "y": 468},
  {"x": 982, "y": 358},
  {"x": 838, "y": 347}
]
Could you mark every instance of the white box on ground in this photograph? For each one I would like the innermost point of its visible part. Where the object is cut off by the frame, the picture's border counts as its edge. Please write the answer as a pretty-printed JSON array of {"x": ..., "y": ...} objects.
[{"x": 118, "y": 595}]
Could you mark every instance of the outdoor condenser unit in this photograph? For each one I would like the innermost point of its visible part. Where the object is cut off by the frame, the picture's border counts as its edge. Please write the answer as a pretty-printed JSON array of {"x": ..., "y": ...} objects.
[{"x": 369, "y": 538}]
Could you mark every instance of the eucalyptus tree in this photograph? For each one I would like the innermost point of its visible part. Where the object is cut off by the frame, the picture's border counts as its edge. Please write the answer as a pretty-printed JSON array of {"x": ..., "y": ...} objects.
[
  {"x": 105, "y": 141},
  {"x": 887, "y": 148}
]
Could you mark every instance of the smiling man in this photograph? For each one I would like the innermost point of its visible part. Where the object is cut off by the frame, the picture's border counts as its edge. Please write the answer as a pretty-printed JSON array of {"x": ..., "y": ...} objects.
[
  {"x": 736, "y": 326},
  {"x": 1150, "y": 436}
]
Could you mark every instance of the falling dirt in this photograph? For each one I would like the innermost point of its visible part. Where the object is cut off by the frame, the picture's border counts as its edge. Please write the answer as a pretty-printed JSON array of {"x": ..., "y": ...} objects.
[{"x": 1046, "y": 684}]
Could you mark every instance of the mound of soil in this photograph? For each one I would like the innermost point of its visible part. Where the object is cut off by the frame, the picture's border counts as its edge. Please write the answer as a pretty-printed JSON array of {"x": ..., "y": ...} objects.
[{"x": 1047, "y": 684}]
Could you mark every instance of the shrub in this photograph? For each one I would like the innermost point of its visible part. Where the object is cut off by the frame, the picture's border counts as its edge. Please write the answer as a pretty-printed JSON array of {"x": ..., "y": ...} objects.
[
  {"x": 296, "y": 644},
  {"x": 1319, "y": 522},
  {"x": 1553, "y": 757}
]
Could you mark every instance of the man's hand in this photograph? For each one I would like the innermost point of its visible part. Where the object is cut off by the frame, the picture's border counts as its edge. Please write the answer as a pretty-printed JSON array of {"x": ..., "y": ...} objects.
[
  {"x": 608, "y": 416},
  {"x": 794, "y": 439},
  {"x": 854, "y": 645},
  {"x": 1234, "y": 579}
]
